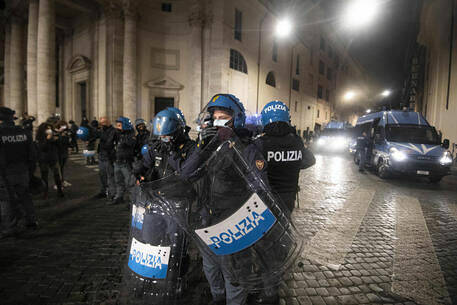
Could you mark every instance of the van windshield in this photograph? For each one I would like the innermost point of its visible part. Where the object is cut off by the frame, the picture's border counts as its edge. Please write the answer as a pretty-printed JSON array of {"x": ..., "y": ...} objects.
[{"x": 416, "y": 134}]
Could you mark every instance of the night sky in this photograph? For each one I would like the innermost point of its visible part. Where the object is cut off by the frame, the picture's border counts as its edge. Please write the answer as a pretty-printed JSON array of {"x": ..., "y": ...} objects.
[{"x": 382, "y": 46}]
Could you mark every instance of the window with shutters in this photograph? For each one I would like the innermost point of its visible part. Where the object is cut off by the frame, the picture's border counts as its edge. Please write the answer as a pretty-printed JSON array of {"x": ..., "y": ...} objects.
[
  {"x": 321, "y": 67},
  {"x": 238, "y": 24},
  {"x": 271, "y": 79},
  {"x": 237, "y": 61},
  {"x": 275, "y": 51},
  {"x": 296, "y": 84},
  {"x": 320, "y": 91}
]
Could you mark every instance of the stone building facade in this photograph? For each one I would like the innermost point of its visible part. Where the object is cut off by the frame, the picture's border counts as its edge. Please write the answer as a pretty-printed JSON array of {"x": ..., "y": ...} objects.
[
  {"x": 438, "y": 36},
  {"x": 134, "y": 58}
]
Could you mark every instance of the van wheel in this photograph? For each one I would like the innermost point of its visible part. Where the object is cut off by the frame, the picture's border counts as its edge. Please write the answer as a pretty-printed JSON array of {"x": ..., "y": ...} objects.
[
  {"x": 382, "y": 170},
  {"x": 357, "y": 158},
  {"x": 435, "y": 179}
]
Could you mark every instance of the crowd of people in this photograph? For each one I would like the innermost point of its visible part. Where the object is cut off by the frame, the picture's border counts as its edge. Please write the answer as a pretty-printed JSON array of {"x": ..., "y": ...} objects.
[{"x": 129, "y": 154}]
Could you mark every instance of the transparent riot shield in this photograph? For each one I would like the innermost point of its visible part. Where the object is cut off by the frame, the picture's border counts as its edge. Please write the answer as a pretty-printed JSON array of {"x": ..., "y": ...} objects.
[
  {"x": 238, "y": 223},
  {"x": 157, "y": 250}
]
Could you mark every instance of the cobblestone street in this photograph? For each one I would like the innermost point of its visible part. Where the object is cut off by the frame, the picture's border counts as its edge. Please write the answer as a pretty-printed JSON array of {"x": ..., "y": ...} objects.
[{"x": 367, "y": 241}]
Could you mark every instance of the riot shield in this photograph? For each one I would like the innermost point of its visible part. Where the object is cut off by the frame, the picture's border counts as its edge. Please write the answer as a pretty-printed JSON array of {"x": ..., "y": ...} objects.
[
  {"x": 157, "y": 251},
  {"x": 239, "y": 224}
]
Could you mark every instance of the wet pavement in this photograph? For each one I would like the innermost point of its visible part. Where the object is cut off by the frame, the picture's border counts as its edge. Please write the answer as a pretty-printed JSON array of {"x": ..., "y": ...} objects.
[{"x": 367, "y": 241}]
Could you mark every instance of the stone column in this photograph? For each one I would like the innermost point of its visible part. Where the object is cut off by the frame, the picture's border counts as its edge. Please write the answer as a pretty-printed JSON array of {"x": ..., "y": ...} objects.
[
  {"x": 46, "y": 74},
  {"x": 129, "y": 64},
  {"x": 17, "y": 67},
  {"x": 196, "y": 22},
  {"x": 6, "y": 67},
  {"x": 32, "y": 58}
]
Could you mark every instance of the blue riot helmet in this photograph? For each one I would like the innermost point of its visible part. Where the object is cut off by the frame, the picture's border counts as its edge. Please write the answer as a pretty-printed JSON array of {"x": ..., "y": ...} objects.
[
  {"x": 231, "y": 103},
  {"x": 139, "y": 122},
  {"x": 166, "y": 123},
  {"x": 83, "y": 133},
  {"x": 179, "y": 115},
  {"x": 126, "y": 124},
  {"x": 144, "y": 149},
  {"x": 275, "y": 111}
]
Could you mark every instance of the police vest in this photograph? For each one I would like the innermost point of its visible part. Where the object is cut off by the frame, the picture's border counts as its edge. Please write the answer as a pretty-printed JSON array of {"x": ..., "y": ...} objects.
[
  {"x": 284, "y": 156},
  {"x": 15, "y": 145}
]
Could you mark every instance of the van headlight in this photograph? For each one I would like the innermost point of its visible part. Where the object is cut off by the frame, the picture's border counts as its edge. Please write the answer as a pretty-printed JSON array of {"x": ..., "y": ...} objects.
[
  {"x": 397, "y": 155},
  {"x": 339, "y": 142},
  {"x": 446, "y": 159}
]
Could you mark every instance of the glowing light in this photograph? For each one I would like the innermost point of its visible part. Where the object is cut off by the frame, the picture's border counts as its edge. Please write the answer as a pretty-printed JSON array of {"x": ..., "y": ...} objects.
[
  {"x": 368, "y": 111},
  {"x": 349, "y": 95},
  {"x": 361, "y": 12},
  {"x": 386, "y": 93},
  {"x": 283, "y": 28}
]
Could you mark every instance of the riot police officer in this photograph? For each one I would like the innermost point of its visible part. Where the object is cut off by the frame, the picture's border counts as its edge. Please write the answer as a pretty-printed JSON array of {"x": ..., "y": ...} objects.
[
  {"x": 170, "y": 128},
  {"x": 284, "y": 151},
  {"x": 142, "y": 137},
  {"x": 286, "y": 155},
  {"x": 125, "y": 149},
  {"x": 228, "y": 189},
  {"x": 16, "y": 159}
]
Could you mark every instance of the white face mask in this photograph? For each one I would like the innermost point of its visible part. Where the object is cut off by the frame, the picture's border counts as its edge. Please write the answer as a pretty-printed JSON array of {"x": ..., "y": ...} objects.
[
  {"x": 220, "y": 123},
  {"x": 165, "y": 139}
]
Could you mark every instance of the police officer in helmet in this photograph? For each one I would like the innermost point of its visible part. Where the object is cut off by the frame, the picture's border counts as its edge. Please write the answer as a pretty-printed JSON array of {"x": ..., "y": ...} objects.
[
  {"x": 169, "y": 127},
  {"x": 286, "y": 155},
  {"x": 227, "y": 119},
  {"x": 17, "y": 160},
  {"x": 142, "y": 137},
  {"x": 284, "y": 152}
]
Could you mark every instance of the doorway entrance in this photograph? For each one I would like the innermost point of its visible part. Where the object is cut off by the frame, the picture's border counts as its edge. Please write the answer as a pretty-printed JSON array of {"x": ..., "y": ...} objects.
[
  {"x": 161, "y": 103},
  {"x": 82, "y": 93}
]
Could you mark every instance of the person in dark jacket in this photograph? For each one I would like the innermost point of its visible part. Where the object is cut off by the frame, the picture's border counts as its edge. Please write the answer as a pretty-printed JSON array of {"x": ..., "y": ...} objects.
[
  {"x": 284, "y": 151},
  {"x": 173, "y": 138},
  {"x": 142, "y": 137},
  {"x": 106, "y": 158},
  {"x": 74, "y": 138},
  {"x": 286, "y": 155},
  {"x": 64, "y": 143},
  {"x": 362, "y": 147},
  {"x": 48, "y": 156},
  {"x": 27, "y": 122},
  {"x": 125, "y": 150},
  {"x": 224, "y": 182},
  {"x": 17, "y": 157}
]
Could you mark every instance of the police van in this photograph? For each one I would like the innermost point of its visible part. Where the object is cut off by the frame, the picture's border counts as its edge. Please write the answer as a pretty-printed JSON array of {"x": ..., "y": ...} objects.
[
  {"x": 333, "y": 138},
  {"x": 403, "y": 142}
]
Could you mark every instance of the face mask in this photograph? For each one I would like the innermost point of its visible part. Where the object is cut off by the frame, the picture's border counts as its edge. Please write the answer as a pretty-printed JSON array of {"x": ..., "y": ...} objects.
[
  {"x": 199, "y": 128},
  {"x": 220, "y": 123},
  {"x": 165, "y": 139}
]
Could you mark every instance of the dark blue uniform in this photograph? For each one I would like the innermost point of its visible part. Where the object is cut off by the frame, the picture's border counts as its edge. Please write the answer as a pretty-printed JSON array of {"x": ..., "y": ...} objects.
[
  {"x": 286, "y": 155},
  {"x": 17, "y": 156},
  {"x": 222, "y": 189}
]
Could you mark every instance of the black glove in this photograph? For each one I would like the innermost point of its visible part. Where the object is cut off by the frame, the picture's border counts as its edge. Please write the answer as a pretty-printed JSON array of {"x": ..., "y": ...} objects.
[
  {"x": 206, "y": 135},
  {"x": 163, "y": 148}
]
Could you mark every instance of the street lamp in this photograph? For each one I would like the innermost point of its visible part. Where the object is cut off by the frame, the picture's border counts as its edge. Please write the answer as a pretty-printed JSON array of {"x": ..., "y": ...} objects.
[
  {"x": 360, "y": 12},
  {"x": 283, "y": 28},
  {"x": 349, "y": 95},
  {"x": 386, "y": 93}
]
